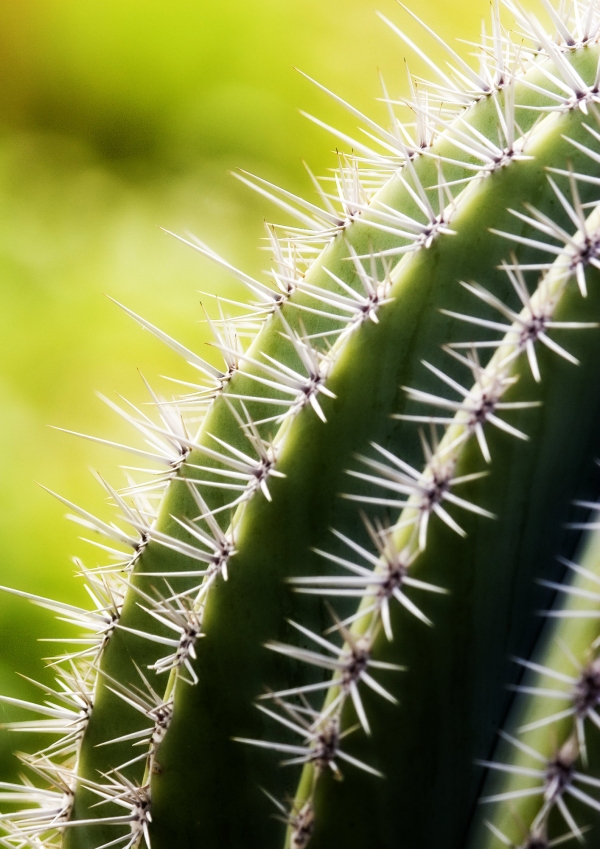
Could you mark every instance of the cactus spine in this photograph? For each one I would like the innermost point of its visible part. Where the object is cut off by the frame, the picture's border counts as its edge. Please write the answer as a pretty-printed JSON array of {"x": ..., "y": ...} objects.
[{"x": 399, "y": 446}]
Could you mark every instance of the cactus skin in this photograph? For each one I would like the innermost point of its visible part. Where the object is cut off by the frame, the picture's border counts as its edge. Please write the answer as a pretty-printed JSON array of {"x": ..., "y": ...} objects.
[{"x": 211, "y": 628}]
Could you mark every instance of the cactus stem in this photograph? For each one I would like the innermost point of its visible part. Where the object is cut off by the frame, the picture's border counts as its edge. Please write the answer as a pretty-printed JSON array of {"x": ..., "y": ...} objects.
[
  {"x": 226, "y": 464},
  {"x": 477, "y": 407}
]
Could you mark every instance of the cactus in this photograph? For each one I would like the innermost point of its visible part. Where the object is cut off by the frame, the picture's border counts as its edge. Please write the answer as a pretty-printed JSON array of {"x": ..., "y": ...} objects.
[{"x": 366, "y": 547}]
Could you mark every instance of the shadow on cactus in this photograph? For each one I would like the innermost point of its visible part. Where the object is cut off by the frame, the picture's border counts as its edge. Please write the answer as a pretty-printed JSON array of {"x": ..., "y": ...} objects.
[{"x": 366, "y": 548}]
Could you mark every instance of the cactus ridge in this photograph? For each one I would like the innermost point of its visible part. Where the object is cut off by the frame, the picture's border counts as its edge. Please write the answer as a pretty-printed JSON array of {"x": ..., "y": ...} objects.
[
  {"x": 422, "y": 494},
  {"x": 145, "y": 696}
]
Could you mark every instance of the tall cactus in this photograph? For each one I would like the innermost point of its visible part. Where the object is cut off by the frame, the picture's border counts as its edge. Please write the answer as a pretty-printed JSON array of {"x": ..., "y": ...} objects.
[{"x": 354, "y": 550}]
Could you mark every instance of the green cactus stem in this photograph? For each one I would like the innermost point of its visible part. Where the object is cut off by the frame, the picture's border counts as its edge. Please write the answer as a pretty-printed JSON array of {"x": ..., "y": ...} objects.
[{"x": 336, "y": 569}]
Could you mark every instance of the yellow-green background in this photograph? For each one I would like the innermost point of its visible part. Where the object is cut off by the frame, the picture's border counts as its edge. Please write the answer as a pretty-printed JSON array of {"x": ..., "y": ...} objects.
[{"x": 117, "y": 117}]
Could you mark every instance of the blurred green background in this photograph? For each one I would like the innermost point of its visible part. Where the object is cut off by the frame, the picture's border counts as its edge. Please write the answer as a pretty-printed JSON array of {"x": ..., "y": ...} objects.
[{"x": 117, "y": 117}]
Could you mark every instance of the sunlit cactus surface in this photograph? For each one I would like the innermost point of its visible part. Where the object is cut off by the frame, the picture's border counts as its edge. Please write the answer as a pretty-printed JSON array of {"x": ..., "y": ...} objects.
[{"x": 351, "y": 597}]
